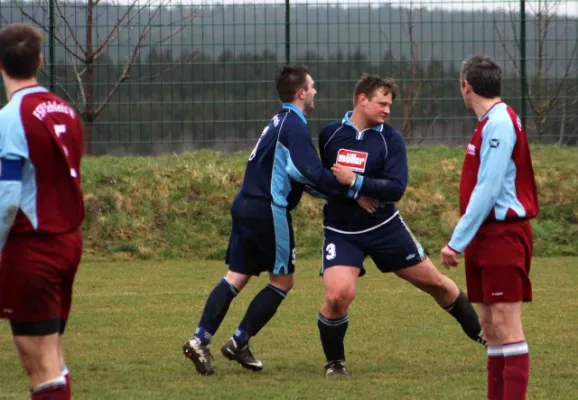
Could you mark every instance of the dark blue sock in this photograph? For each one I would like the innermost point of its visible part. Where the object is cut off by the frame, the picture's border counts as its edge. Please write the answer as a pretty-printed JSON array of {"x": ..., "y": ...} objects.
[
  {"x": 332, "y": 333},
  {"x": 215, "y": 310},
  {"x": 260, "y": 311}
]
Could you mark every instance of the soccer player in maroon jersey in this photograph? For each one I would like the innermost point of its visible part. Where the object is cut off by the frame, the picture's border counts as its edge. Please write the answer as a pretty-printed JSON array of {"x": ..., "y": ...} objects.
[
  {"x": 498, "y": 199},
  {"x": 41, "y": 210}
]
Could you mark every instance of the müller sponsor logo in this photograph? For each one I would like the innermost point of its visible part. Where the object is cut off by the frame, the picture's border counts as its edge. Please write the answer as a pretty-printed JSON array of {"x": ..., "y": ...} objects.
[{"x": 356, "y": 160}]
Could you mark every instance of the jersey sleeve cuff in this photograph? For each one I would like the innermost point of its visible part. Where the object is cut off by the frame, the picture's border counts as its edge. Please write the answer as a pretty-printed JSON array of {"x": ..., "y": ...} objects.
[
  {"x": 454, "y": 248},
  {"x": 357, "y": 183}
]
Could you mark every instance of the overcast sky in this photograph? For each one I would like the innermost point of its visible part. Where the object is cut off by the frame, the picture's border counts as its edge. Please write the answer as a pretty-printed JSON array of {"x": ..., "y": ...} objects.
[{"x": 567, "y": 7}]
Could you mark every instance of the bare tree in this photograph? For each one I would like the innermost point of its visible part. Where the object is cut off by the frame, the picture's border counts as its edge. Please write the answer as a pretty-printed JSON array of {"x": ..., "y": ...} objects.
[
  {"x": 410, "y": 90},
  {"x": 543, "y": 97},
  {"x": 135, "y": 20}
]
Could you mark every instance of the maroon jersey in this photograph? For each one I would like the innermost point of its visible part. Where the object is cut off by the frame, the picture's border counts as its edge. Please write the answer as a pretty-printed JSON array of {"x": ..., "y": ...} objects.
[
  {"x": 47, "y": 135},
  {"x": 497, "y": 181}
]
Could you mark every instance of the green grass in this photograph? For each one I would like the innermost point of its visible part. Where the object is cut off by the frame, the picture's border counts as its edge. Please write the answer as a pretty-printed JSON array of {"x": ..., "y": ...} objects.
[
  {"x": 129, "y": 320},
  {"x": 177, "y": 206}
]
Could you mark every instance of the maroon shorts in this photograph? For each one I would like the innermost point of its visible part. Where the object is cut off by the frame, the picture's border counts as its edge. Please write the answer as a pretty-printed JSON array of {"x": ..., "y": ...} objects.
[
  {"x": 36, "y": 276},
  {"x": 498, "y": 263}
]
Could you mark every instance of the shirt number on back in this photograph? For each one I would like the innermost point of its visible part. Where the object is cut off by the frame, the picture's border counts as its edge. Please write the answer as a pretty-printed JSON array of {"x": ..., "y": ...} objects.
[
  {"x": 254, "y": 152},
  {"x": 60, "y": 130}
]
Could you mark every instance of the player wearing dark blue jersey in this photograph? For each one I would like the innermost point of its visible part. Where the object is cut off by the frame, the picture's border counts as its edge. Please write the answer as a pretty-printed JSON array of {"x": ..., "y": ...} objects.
[
  {"x": 369, "y": 224},
  {"x": 283, "y": 163}
]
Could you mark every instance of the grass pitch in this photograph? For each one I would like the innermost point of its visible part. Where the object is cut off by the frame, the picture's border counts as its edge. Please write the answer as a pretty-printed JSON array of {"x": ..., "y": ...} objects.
[{"x": 130, "y": 319}]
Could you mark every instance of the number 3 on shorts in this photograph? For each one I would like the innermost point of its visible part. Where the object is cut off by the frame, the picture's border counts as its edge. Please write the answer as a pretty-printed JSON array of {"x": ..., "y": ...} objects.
[{"x": 330, "y": 252}]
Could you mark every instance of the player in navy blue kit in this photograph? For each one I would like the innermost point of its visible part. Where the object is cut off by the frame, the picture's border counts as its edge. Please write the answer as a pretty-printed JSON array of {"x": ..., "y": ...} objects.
[
  {"x": 282, "y": 163},
  {"x": 370, "y": 224}
]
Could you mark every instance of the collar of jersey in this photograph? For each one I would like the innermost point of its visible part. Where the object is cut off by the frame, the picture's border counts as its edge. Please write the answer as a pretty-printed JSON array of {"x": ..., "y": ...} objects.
[
  {"x": 296, "y": 110},
  {"x": 347, "y": 121},
  {"x": 27, "y": 90},
  {"x": 492, "y": 108}
]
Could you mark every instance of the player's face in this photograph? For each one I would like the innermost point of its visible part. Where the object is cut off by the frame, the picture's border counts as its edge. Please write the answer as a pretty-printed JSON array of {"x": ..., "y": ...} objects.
[
  {"x": 378, "y": 108},
  {"x": 309, "y": 96}
]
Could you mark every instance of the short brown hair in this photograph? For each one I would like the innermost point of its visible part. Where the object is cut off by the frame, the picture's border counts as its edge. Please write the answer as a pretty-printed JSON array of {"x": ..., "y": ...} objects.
[
  {"x": 20, "y": 49},
  {"x": 483, "y": 74},
  {"x": 369, "y": 84},
  {"x": 290, "y": 78}
]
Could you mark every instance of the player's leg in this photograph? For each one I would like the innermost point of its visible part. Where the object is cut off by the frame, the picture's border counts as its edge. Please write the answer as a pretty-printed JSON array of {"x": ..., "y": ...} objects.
[
  {"x": 32, "y": 282},
  {"x": 219, "y": 300},
  {"x": 62, "y": 362},
  {"x": 260, "y": 311},
  {"x": 508, "y": 353},
  {"x": 280, "y": 261},
  {"x": 66, "y": 304},
  {"x": 39, "y": 355},
  {"x": 342, "y": 264},
  {"x": 217, "y": 305},
  {"x": 504, "y": 286},
  {"x": 426, "y": 277},
  {"x": 400, "y": 252}
]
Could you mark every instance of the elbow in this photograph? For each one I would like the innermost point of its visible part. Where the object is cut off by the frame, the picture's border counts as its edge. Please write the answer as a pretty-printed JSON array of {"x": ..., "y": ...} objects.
[{"x": 397, "y": 193}]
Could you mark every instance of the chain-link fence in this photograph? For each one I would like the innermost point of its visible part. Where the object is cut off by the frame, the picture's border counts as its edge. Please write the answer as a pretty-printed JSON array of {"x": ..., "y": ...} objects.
[{"x": 152, "y": 76}]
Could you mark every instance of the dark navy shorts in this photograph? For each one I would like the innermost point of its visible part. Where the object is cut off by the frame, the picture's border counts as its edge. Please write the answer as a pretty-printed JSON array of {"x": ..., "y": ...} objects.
[
  {"x": 261, "y": 238},
  {"x": 391, "y": 247}
]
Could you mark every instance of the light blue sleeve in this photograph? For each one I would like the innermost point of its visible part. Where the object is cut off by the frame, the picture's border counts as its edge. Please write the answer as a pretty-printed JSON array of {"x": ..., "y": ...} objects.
[
  {"x": 13, "y": 153},
  {"x": 498, "y": 140}
]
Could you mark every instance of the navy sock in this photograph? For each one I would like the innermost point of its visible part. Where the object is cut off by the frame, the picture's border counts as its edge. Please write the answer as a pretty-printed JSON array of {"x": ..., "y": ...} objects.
[
  {"x": 260, "y": 311},
  {"x": 215, "y": 310},
  {"x": 463, "y": 311},
  {"x": 332, "y": 334}
]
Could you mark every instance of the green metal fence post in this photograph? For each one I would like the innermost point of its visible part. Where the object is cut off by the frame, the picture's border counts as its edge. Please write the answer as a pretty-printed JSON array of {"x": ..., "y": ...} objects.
[
  {"x": 523, "y": 77},
  {"x": 51, "y": 45},
  {"x": 287, "y": 32}
]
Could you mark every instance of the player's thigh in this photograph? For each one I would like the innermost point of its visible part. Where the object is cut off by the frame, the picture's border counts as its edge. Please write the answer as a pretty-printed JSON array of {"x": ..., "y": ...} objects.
[
  {"x": 30, "y": 289},
  {"x": 281, "y": 275},
  {"x": 424, "y": 275},
  {"x": 342, "y": 250},
  {"x": 38, "y": 351},
  {"x": 71, "y": 255},
  {"x": 504, "y": 322},
  {"x": 340, "y": 284},
  {"x": 246, "y": 254}
]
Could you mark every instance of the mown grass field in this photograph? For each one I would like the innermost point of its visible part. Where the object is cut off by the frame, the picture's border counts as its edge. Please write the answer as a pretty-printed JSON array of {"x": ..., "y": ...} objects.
[{"x": 130, "y": 319}]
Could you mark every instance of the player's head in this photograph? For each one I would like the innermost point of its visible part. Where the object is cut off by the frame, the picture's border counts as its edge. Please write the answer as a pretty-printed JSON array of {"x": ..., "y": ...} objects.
[
  {"x": 373, "y": 97},
  {"x": 480, "y": 76},
  {"x": 20, "y": 51},
  {"x": 295, "y": 85}
]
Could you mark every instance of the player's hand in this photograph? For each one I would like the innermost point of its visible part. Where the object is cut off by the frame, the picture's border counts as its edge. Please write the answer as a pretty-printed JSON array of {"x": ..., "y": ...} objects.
[
  {"x": 368, "y": 204},
  {"x": 449, "y": 257},
  {"x": 344, "y": 174}
]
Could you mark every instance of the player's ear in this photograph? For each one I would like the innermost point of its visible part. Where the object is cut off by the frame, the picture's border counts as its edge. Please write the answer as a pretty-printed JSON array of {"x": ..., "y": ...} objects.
[{"x": 40, "y": 61}]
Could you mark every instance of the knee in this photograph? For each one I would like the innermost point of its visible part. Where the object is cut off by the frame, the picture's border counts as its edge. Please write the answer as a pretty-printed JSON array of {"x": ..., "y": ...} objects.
[
  {"x": 283, "y": 282},
  {"x": 337, "y": 300},
  {"x": 500, "y": 328}
]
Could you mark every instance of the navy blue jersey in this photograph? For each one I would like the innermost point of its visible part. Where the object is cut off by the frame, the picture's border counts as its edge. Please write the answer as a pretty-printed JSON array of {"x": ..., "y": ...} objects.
[
  {"x": 378, "y": 155},
  {"x": 284, "y": 160}
]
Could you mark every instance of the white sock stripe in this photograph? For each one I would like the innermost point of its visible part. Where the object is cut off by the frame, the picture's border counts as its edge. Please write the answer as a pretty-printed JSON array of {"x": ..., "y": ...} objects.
[
  {"x": 515, "y": 349},
  {"x": 233, "y": 288},
  {"x": 61, "y": 380},
  {"x": 333, "y": 322},
  {"x": 494, "y": 351},
  {"x": 65, "y": 371}
]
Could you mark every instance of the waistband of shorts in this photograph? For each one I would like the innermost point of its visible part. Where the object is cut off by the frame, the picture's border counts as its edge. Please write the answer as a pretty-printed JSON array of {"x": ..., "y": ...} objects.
[{"x": 511, "y": 221}]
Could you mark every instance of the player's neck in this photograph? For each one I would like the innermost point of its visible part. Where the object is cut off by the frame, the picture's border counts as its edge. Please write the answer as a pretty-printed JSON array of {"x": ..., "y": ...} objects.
[
  {"x": 483, "y": 105},
  {"x": 14, "y": 85},
  {"x": 358, "y": 121}
]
